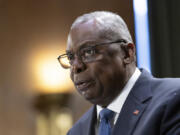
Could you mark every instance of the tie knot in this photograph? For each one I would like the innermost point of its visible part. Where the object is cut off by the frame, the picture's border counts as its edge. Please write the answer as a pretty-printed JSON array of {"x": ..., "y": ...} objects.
[{"x": 106, "y": 114}]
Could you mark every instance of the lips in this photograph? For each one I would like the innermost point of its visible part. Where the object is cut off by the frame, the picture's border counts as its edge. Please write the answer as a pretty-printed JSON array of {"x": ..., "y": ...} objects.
[{"x": 83, "y": 85}]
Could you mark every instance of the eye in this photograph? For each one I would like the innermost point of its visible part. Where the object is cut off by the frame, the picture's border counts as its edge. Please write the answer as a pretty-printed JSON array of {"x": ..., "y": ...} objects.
[
  {"x": 70, "y": 56},
  {"x": 89, "y": 52}
]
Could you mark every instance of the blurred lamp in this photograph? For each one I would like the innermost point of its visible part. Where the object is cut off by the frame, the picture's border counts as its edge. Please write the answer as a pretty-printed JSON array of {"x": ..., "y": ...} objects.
[
  {"x": 54, "y": 87},
  {"x": 50, "y": 76}
]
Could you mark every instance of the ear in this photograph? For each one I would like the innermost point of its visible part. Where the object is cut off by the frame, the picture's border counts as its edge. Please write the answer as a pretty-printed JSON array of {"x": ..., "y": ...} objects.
[{"x": 129, "y": 56}]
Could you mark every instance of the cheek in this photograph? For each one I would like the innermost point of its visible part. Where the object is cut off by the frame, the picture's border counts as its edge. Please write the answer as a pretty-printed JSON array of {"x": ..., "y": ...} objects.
[
  {"x": 102, "y": 74},
  {"x": 109, "y": 75}
]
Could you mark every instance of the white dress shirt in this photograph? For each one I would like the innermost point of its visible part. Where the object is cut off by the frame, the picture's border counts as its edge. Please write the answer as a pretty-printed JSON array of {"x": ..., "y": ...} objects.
[{"x": 117, "y": 103}]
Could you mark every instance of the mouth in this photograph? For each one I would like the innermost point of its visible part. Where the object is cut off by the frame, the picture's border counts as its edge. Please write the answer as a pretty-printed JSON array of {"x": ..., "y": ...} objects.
[{"x": 83, "y": 85}]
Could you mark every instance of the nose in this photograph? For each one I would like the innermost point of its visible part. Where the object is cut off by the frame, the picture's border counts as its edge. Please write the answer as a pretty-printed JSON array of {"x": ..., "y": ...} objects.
[{"x": 78, "y": 66}]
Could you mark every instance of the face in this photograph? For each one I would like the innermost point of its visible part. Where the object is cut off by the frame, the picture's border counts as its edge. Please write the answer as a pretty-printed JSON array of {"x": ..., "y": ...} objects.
[{"x": 99, "y": 81}]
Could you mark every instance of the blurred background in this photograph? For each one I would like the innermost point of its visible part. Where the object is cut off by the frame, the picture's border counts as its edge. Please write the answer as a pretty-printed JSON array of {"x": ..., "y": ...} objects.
[{"x": 36, "y": 94}]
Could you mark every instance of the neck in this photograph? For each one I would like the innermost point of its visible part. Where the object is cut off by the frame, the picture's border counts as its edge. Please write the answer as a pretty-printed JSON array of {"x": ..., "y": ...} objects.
[{"x": 130, "y": 71}]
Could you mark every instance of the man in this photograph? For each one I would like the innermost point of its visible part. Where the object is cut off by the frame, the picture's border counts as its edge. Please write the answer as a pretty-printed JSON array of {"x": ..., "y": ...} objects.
[{"x": 102, "y": 62}]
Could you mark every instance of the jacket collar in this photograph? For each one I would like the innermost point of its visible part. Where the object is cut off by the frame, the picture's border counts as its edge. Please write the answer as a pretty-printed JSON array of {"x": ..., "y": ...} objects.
[
  {"x": 134, "y": 105},
  {"x": 88, "y": 124}
]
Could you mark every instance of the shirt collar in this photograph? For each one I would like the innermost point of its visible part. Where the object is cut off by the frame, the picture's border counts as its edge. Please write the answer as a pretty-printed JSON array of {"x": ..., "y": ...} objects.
[{"x": 117, "y": 103}]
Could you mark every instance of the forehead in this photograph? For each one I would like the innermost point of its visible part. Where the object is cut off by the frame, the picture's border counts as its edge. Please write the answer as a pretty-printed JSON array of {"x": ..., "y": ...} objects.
[{"x": 88, "y": 32}]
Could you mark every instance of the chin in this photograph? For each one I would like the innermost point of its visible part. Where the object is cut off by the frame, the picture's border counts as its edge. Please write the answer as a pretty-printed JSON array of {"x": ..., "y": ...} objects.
[
  {"x": 91, "y": 100},
  {"x": 96, "y": 101}
]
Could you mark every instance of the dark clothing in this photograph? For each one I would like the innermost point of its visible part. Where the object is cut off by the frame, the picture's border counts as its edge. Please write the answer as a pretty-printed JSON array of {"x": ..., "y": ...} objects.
[{"x": 151, "y": 108}]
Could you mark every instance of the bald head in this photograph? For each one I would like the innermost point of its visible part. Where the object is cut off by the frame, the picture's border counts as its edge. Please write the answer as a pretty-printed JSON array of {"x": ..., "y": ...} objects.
[{"x": 110, "y": 25}]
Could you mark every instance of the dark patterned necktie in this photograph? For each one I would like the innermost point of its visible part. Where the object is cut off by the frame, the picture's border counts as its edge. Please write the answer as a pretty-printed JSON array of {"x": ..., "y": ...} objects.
[{"x": 105, "y": 118}]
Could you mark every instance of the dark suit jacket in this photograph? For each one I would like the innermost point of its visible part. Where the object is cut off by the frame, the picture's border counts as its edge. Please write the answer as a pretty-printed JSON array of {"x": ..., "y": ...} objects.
[{"x": 157, "y": 106}]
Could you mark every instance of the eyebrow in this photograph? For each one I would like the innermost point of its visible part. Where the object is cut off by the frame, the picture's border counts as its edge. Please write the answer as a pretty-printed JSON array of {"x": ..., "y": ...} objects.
[
  {"x": 87, "y": 44},
  {"x": 84, "y": 45}
]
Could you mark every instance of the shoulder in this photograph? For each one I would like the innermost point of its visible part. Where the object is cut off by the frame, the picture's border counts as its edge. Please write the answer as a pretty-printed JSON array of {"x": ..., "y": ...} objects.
[
  {"x": 166, "y": 96},
  {"x": 171, "y": 115},
  {"x": 160, "y": 85},
  {"x": 165, "y": 86},
  {"x": 162, "y": 90},
  {"x": 163, "y": 108},
  {"x": 167, "y": 82}
]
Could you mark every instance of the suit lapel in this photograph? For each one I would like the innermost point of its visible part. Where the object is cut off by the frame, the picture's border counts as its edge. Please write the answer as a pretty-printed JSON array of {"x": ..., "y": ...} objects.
[
  {"x": 88, "y": 124},
  {"x": 134, "y": 106}
]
